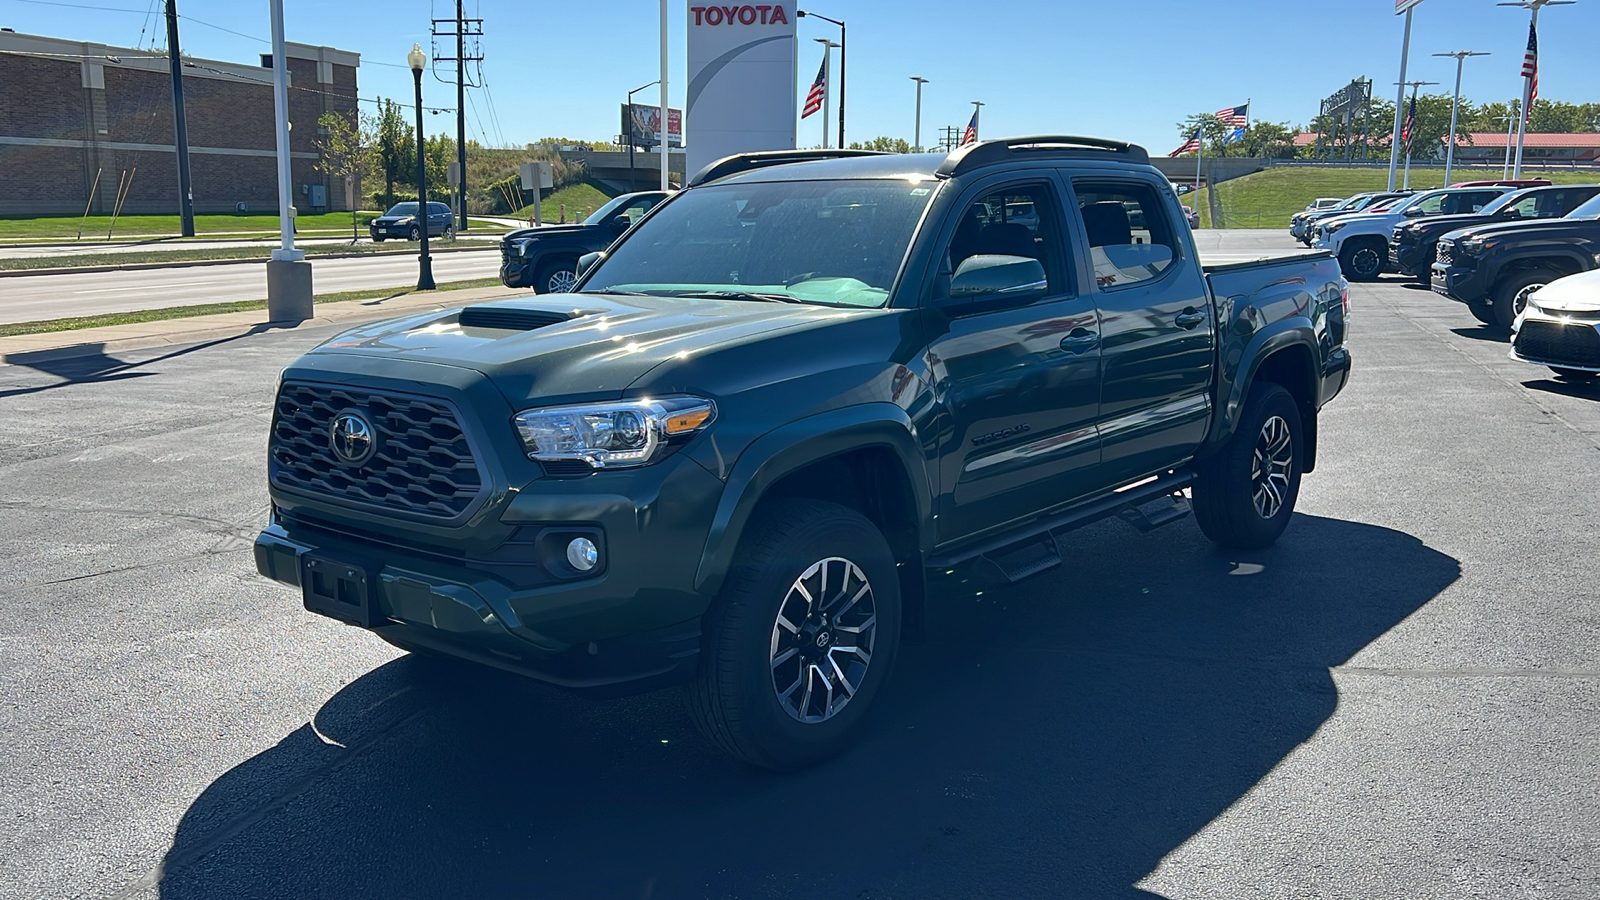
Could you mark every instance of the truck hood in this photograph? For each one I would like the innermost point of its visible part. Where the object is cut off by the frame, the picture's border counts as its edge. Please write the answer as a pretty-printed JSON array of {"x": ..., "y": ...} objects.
[
  {"x": 594, "y": 349},
  {"x": 1442, "y": 224},
  {"x": 1574, "y": 294},
  {"x": 547, "y": 231},
  {"x": 1519, "y": 226}
]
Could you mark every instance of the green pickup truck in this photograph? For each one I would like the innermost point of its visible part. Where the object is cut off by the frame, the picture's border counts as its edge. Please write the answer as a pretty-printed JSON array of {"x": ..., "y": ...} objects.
[{"x": 782, "y": 398}]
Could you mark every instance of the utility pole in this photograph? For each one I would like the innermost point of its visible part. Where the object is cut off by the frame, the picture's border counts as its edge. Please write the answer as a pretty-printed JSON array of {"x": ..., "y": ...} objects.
[
  {"x": 179, "y": 124},
  {"x": 1530, "y": 69},
  {"x": 916, "y": 143},
  {"x": 463, "y": 29},
  {"x": 1460, "y": 57}
]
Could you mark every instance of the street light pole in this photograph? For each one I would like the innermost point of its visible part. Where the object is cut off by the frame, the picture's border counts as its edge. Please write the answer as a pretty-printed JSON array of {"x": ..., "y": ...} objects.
[
  {"x": 419, "y": 61},
  {"x": 1527, "y": 81},
  {"x": 802, "y": 14},
  {"x": 1460, "y": 57},
  {"x": 633, "y": 183},
  {"x": 916, "y": 144},
  {"x": 666, "y": 130}
]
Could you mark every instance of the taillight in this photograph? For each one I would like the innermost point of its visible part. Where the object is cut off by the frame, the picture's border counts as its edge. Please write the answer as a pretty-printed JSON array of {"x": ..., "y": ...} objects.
[{"x": 1344, "y": 296}]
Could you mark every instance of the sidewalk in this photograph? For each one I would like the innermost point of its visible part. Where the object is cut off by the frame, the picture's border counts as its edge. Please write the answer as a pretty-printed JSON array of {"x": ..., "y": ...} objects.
[{"x": 26, "y": 349}]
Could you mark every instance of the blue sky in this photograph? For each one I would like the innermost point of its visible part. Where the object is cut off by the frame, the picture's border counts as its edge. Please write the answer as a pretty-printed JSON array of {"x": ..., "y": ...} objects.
[{"x": 1127, "y": 69}]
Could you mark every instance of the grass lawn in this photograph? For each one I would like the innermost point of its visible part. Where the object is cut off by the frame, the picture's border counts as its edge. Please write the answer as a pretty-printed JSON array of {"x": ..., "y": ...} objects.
[
  {"x": 95, "y": 227},
  {"x": 1267, "y": 199},
  {"x": 580, "y": 199},
  {"x": 134, "y": 257},
  {"x": 185, "y": 312}
]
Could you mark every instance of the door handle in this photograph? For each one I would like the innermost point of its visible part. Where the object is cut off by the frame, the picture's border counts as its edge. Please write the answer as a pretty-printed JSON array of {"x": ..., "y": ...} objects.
[
  {"x": 1081, "y": 340},
  {"x": 1189, "y": 318}
]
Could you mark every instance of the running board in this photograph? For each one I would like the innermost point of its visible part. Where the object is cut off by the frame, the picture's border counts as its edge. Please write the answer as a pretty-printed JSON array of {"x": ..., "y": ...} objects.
[
  {"x": 1152, "y": 494},
  {"x": 1026, "y": 560}
]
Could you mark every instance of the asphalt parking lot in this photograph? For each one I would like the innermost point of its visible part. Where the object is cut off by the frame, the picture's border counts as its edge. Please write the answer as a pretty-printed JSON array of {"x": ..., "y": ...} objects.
[{"x": 1399, "y": 700}]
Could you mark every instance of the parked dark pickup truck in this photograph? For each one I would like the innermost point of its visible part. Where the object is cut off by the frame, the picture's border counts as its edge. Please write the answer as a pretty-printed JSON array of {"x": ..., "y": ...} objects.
[
  {"x": 1412, "y": 247},
  {"x": 546, "y": 258},
  {"x": 1493, "y": 268},
  {"x": 784, "y": 396}
]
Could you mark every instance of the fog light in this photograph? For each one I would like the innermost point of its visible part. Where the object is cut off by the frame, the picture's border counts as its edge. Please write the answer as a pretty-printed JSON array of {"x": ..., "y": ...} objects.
[{"x": 582, "y": 554}]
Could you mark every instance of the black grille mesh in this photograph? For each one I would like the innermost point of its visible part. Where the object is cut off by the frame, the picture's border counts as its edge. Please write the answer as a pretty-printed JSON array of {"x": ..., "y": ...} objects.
[
  {"x": 1575, "y": 345},
  {"x": 422, "y": 463},
  {"x": 1444, "y": 253}
]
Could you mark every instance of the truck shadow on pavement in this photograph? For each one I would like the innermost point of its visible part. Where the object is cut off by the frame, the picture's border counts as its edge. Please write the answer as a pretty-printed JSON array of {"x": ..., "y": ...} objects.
[
  {"x": 1057, "y": 738},
  {"x": 86, "y": 366}
]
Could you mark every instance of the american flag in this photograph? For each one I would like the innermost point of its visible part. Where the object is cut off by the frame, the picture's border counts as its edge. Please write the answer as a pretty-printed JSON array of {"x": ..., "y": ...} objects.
[
  {"x": 818, "y": 88},
  {"x": 1530, "y": 65},
  {"x": 1411, "y": 125},
  {"x": 970, "y": 136},
  {"x": 1234, "y": 116},
  {"x": 1192, "y": 146}
]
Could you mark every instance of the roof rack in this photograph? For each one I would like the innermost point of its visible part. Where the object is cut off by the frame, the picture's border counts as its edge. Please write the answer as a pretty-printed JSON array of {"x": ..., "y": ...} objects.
[
  {"x": 1057, "y": 146},
  {"x": 744, "y": 162}
]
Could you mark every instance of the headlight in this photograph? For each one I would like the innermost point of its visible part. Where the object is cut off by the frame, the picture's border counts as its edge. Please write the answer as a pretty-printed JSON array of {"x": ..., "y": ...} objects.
[
  {"x": 1335, "y": 227},
  {"x": 620, "y": 434},
  {"x": 1471, "y": 246},
  {"x": 522, "y": 245}
]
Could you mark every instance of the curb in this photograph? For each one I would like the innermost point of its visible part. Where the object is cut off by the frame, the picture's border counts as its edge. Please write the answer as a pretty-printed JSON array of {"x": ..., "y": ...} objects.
[{"x": 193, "y": 263}]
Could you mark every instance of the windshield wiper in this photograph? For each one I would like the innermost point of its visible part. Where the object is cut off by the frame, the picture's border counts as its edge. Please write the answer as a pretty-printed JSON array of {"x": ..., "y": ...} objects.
[{"x": 744, "y": 295}]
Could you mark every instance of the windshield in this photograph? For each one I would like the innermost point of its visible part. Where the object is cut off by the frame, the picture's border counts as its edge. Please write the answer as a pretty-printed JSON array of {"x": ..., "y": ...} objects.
[
  {"x": 1589, "y": 210},
  {"x": 402, "y": 209},
  {"x": 605, "y": 212},
  {"x": 1503, "y": 201},
  {"x": 837, "y": 243}
]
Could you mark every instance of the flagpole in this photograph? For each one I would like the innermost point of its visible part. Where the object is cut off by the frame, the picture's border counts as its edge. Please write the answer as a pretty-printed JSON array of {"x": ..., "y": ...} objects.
[
  {"x": 1199, "y": 154},
  {"x": 1527, "y": 98},
  {"x": 827, "y": 83},
  {"x": 1400, "y": 101}
]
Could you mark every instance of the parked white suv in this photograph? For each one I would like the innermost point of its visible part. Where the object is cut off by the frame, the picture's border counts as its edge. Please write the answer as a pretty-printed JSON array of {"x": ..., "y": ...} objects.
[{"x": 1361, "y": 241}]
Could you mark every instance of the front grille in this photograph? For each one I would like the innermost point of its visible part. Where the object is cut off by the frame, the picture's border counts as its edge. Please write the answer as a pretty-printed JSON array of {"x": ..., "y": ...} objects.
[
  {"x": 1573, "y": 345},
  {"x": 422, "y": 464},
  {"x": 1444, "y": 252}
]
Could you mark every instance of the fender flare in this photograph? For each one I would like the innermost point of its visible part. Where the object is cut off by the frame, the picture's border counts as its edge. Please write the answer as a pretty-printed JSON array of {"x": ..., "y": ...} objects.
[
  {"x": 1281, "y": 335},
  {"x": 1542, "y": 258},
  {"x": 794, "y": 446}
]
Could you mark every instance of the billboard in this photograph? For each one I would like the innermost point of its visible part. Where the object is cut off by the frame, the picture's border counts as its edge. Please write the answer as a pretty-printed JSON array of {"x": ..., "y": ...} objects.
[
  {"x": 641, "y": 126},
  {"x": 1401, "y": 6},
  {"x": 742, "y": 81}
]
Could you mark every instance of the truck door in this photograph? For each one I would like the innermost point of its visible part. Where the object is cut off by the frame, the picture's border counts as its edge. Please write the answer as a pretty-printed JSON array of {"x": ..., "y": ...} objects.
[
  {"x": 1156, "y": 331},
  {"x": 1017, "y": 386}
]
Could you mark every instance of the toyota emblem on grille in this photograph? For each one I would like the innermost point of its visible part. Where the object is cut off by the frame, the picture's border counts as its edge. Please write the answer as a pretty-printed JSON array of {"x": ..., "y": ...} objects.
[{"x": 351, "y": 438}]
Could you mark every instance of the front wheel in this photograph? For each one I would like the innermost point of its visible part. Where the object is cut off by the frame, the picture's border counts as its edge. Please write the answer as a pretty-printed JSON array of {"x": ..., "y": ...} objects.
[
  {"x": 1244, "y": 496},
  {"x": 1361, "y": 260},
  {"x": 415, "y": 235},
  {"x": 801, "y": 638},
  {"x": 1511, "y": 295},
  {"x": 556, "y": 278}
]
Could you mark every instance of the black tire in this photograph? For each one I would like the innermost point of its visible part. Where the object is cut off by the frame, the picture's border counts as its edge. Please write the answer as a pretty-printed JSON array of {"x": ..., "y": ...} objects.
[
  {"x": 556, "y": 277},
  {"x": 377, "y": 240},
  {"x": 1511, "y": 294},
  {"x": 1362, "y": 259},
  {"x": 415, "y": 235},
  {"x": 1578, "y": 375},
  {"x": 1483, "y": 311},
  {"x": 449, "y": 232},
  {"x": 734, "y": 697},
  {"x": 1225, "y": 492}
]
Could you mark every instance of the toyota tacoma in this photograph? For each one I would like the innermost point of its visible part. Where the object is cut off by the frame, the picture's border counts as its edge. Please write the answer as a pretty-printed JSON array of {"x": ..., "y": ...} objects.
[{"x": 787, "y": 394}]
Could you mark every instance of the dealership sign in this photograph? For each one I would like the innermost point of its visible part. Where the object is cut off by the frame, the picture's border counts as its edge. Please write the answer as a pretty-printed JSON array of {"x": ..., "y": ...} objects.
[
  {"x": 742, "y": 82},
  {"x": 1401, "y": 6}
]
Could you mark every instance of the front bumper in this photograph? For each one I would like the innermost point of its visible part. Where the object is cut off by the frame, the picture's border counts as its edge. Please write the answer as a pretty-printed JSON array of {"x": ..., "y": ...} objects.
[
  {"x": 515, "y": 271},
  {"x": 1411, "y": 259},
  {"x": 1547, "y": 339},
  {"x": 1462, "y": 283},
  {"x": 391, "y": 231}
]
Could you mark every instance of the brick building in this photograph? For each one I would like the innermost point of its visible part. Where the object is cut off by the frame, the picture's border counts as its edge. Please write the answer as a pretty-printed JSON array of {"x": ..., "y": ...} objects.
[{"x": 69, "y": 110}]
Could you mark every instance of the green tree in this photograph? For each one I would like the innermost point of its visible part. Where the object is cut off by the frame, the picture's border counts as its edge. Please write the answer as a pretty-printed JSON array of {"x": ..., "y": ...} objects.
[
  {"x": 395, "y": 143},
  {"x": 884, "y": 144},
  {"x": 439, "y": 152},
  {"x": 345, "y": 145}
]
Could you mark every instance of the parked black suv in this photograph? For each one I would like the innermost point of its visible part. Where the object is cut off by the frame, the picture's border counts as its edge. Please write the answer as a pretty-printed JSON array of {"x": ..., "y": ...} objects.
[
  {"x": 1493, "y": 268},
  {"x": 546, "y": 258},
  {"x": 784, "y": 396},
  {"x": 1411, "y": 249}
]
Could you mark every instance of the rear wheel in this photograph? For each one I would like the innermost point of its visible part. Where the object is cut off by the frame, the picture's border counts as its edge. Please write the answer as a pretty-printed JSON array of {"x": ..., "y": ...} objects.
[
  {"x": 449, "y": 232},
  {"x": 1511, "y": 295},
  {"x": 1244, "y": 496},
  {"x": 1362, "y": 260},
  {"x": 801, "y": 638}
]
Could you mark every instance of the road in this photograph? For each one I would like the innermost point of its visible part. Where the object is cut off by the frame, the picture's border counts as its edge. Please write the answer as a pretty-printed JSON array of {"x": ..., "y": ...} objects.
[
  {"x": 36, "y": 297},
  {"x": 167, "y": 245},
  {"x": 1400, "y": 699}
]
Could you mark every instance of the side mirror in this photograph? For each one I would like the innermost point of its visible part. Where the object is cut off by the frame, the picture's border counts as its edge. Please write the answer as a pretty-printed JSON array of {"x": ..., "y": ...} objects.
[
  {"x": 986, "y": 278},
  {"x": 619, "y": 224},
  {"x": 1412, "y": 213},
  {"x": 588, "y": 261}
]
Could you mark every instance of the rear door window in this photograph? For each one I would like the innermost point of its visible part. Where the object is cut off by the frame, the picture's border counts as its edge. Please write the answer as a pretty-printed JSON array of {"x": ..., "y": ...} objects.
[{"x": 1130, "y": 237}]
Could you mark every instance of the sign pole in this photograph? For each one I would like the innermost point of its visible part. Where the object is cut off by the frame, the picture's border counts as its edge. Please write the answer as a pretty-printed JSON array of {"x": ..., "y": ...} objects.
[{"x": 1400, "y": 98}]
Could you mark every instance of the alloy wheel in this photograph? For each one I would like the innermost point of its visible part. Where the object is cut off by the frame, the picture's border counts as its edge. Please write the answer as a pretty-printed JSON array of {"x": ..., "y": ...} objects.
[
  {"x": 1271, "y": 467},
  {"x": 822, "y": 640},
  {"x": 562, "y": 282},
  {"x": 1366, "y": 262},
  {"x": 1520, "y": 301}
]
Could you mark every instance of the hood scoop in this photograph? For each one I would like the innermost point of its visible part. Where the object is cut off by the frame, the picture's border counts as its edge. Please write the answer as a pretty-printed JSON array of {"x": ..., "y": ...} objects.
[{"x": 510, "y": 318}]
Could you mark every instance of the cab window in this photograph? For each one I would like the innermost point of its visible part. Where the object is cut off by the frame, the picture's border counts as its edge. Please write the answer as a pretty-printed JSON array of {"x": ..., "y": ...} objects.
[
  {"x": 1130, "y": 237},
  {"x": 1020, "y": 220}
]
